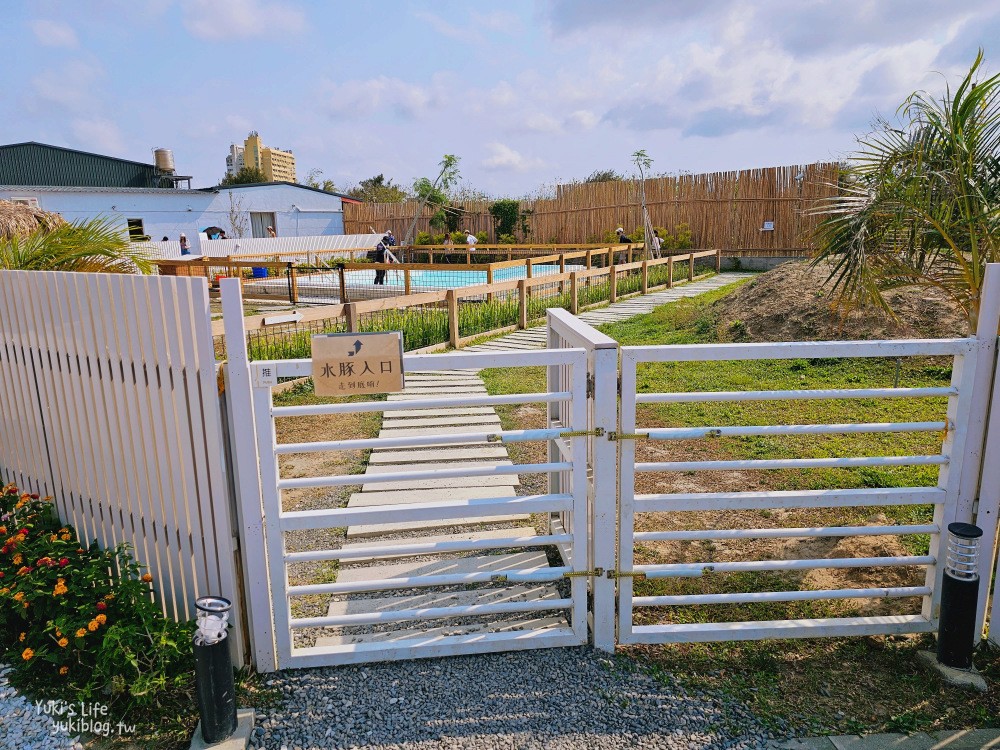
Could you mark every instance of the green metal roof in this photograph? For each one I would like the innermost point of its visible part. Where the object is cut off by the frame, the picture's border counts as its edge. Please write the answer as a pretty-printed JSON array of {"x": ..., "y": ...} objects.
[{"x": 40, "y": 164}]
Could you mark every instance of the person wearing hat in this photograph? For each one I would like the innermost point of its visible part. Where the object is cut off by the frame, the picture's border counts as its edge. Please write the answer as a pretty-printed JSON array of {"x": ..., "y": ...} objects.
[
  {"x": 185, "y": 247},
  {"x": 390, "y": 238},
  {"x": 271, "y": 232},
  {"x": 381, "y": 257},
  {"x": 622, "y": 237}
]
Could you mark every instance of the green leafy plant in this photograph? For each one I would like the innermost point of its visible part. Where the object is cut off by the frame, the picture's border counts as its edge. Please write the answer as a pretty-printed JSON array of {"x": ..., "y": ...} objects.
[
  {"x": 91, "y": 246},
  {"x": 509, "y": 218},
  {"x": 918, "y": 203},
  {"x": 79, "y": 622}
]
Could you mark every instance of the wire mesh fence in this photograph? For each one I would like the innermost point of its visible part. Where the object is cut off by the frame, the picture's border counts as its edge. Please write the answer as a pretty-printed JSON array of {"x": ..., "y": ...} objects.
[{"x": 422, "y": 325}]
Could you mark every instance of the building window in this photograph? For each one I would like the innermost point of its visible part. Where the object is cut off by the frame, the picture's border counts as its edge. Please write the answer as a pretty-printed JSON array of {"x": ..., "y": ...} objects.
[
  {"x": 135, "y": 230},
  {"x": 260, "y": 221},
  {"x": 31, "y": 202}
]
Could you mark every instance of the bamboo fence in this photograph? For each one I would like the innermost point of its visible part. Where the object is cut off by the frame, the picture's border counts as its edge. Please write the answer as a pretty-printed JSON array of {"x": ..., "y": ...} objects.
[{"x": 727, "y": 210}]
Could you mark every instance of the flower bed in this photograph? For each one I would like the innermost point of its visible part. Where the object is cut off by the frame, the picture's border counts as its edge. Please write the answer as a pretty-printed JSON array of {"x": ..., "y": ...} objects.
[{"x": 79, "y": 622}]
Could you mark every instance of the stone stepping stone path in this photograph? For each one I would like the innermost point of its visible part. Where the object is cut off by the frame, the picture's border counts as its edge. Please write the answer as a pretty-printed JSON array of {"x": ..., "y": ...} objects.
[
  {"x": 439, "y": 421},
  {"x": 535, "y": 338}
]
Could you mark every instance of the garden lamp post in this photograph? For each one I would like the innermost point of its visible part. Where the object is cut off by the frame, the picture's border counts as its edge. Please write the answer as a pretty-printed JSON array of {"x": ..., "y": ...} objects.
[
  {"x": 213, "y": 667},
  {"x": 959, "y": 596}
]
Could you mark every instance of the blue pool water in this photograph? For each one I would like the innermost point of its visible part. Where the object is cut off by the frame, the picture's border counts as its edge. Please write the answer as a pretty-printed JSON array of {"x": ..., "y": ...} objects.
[{"x": 450, "y": 279}]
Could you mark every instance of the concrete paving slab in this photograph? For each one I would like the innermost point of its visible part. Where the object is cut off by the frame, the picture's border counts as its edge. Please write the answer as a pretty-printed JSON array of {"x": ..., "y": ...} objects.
[
  {"x": 418, "y": 431},
  {"x": 438, "y": 495},
  {"x": 408, "y": 456},
  {"x": 918, "y": 741},
  {"x": 498, "y": 480},
  {"x": 389, "y": 469},
  {"x": 465, "y": 537},
  {"x": 379, "y": 529},
  {"x": 967, "y": 739},
  {"x": 520, "y": 561},
  {"x": 428, "y": 635},
  {"x": 439, "y": 421},
  {"x": 361, "y": 605}
]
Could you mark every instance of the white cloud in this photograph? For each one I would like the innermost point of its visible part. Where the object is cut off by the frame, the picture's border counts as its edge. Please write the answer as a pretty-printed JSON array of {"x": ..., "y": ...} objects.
[
  {"x": 443, "y": 27},
  {"x": 505, "y": 158},
  {"x": 358, "y": 99},
  {"x": 69, "y": 86},
  {"x": 241, "y": 19},
  {"x": 54, "y": 33},
  {"x": 98, "y": 134}
]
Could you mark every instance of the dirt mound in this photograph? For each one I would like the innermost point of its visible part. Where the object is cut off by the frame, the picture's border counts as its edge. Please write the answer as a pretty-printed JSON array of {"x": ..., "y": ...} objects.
[{"x": 793, "y": 303}]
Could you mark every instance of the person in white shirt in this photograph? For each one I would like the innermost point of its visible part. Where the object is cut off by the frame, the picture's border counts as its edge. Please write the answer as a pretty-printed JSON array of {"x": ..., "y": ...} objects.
[
  {"x": 470, "y": 238},
  {"x": 656, "y": 243}
]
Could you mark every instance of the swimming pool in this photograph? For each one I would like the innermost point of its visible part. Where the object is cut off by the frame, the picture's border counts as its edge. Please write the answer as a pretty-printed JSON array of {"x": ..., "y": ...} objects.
[{"x": 446, "y": 279}]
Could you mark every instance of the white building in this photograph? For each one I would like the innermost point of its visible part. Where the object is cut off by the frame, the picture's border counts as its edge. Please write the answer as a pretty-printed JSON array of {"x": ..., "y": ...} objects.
[
  {"x": 234, "y": 162},
  {"x": 241, "y": 210}
]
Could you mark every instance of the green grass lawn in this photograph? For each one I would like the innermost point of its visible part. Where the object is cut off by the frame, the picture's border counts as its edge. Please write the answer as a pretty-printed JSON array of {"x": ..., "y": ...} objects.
[{"x": 806, "y": 686}]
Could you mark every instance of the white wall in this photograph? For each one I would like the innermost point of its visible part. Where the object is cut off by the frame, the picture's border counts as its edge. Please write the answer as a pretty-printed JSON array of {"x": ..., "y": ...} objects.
[{"x": 298, "y": 211}]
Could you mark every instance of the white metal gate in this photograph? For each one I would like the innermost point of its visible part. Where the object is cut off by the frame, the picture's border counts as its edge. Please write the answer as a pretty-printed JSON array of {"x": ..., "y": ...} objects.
[
  {"x": 431, "y": 626},
  {"x": 944, "y": 497}
]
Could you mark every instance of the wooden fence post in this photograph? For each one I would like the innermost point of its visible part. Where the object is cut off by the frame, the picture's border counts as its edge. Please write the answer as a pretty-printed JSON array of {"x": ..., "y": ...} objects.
[
  {"x": 343, "y": 287},
  {"x": 294, "y": 284},
  {"x": 406, "y": 281},
  {"x": 453, "y": 334},
  {"x": 352, "y": 317},
  {"x": 611, "y": 256},
  {"x": 590, "y": 260},
  {"x": 574, "y": 304},
  {"x": 614, "y": 284},
  {"x": 645, "y": 277},
  {"x": 718, "y": 260},
  {"x": 522, "y": 304},
  {"x": 690, "y": 266},
  {"x": 670, "y": 271},
  {"x": 629, "y": 253},
  {"x": 489, "y": 280},
  {"x": 468, "y": 255}
]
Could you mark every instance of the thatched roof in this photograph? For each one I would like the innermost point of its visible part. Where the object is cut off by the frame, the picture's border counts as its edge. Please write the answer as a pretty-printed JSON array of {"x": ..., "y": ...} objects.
[{"x": 18, "y": 220}]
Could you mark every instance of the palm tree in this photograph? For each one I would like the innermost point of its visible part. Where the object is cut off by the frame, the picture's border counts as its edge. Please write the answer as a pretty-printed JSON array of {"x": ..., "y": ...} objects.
[
  {"x": 919, "y": 205},
  {"x": 95, "y": 246}
]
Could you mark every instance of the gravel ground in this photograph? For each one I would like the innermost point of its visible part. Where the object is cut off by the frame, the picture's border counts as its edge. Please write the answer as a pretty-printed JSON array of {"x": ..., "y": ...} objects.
[
  {"x": 22, "y": 727},
  {"x": 559, "y": 699}
]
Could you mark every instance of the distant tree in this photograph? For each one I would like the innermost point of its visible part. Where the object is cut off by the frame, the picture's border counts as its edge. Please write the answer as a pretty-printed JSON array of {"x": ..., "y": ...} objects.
[
  {"x": 509, "y": 218},
  {"x": 605, "y": 175},
  {"x": 435, "y": 195},
  {"x": 378, "y": 189},
  {"x": 238, "y": 219},
  {"x": 246, "y": 176},
  {"x": 313, "y": 180}
]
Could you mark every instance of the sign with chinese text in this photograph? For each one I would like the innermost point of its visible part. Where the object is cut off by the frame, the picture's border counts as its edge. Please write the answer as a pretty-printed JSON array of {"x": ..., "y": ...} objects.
[{"x": 349, "y": 363}]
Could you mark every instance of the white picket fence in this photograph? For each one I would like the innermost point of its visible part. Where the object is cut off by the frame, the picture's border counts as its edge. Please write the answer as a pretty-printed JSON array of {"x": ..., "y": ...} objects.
[{"x": 109, "y": 403}]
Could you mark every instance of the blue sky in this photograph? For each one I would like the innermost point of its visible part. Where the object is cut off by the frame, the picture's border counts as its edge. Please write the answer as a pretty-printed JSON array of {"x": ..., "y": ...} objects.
[{"x": 525, "y": 93}]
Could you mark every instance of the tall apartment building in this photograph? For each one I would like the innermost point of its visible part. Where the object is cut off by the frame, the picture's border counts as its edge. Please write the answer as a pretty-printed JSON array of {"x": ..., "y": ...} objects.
[
  {"x": 277, "y": 165},
  {"x": 234, "y": 162}
]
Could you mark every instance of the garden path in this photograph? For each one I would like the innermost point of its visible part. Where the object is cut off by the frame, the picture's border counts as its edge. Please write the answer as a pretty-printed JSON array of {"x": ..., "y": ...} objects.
[{"x": 444, "y": 421}]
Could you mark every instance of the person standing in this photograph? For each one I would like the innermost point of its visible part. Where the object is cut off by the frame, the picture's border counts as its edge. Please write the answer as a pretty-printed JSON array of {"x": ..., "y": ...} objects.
[
  {"x": 390, "y": 238},
  {"x": 271, "y": 232},
  {"x": 380, "y": 257},
  {"x": 185, "y": 246},
  {"x": 655, "y": 243},
  {"x": 470, "y": 238}
]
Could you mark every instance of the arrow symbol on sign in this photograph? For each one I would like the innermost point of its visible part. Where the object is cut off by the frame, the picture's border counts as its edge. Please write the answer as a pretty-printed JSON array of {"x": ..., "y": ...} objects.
[{"x": 357, "y": 348}]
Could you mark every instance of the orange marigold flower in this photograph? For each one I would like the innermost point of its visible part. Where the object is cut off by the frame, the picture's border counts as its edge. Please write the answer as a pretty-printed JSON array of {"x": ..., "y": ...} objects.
[
  {"x": 19, "y": 596},
  {"x": 3, "y": 529},
  {"x": 22, "y": 637},
  {"x": 58, "y": 633},
  {"x": 24, "y": 570},
  {"x": 147, "y": 578},
  {"x": 54, "y": 538},
  {"x": 18, "y": 559},
  {"x": 109, "y": 597},
  {"x": 93, "y": 625},
  {"x": 101, "y": 619},
  {"x": 63, "y": 642},
  {"x": 64, "y": 529},
  {"x": 60, "y": 581},
  {"x": 4, "y": 590},
  {"x": 80, "y": 633},
  {"x": 65, "y": 537},
  {"x": 59, "y": 590},
  {"x": 27, "y": 654},
  {"x": 63, "y": 670},
  {"x": 26, "y": 604}
]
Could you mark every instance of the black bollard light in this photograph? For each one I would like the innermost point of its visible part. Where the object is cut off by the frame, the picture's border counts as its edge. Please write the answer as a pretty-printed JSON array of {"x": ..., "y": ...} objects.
[
  {"x": 213, "y": 667},
  {"x": 959, "y": 596}
]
